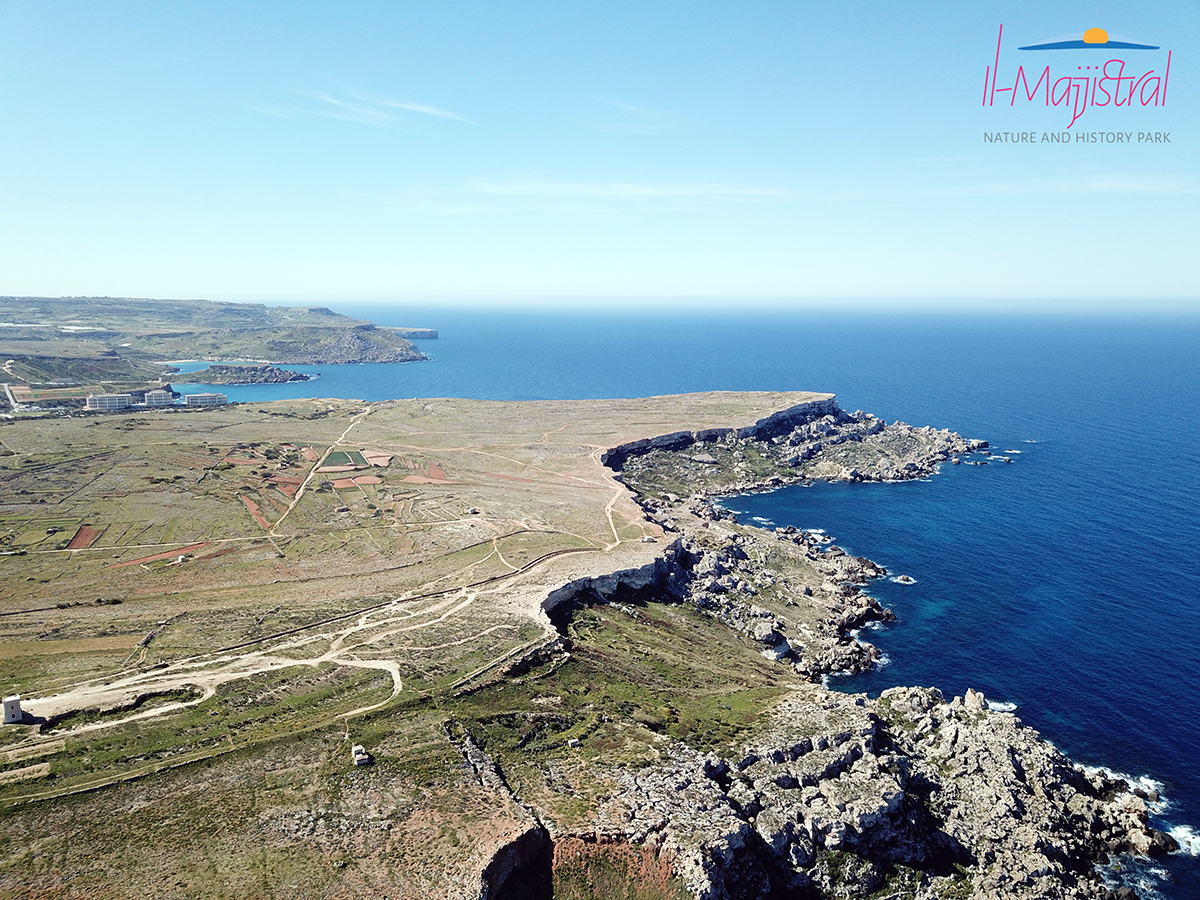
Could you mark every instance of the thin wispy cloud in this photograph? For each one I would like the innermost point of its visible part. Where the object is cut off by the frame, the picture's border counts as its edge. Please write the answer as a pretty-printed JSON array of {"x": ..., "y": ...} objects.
[
  {"x": 626, "y": 190},
  {"x": 625, "y": 118},
  {"x": 1125, "y": 183},
  {"x": 359, "y": 107},
  {"x": 629, "y": 107},
  {"x": 947, "y": 159},
  {"x": 410, "y": 107},
  {"x": 1105, "y": 183}
]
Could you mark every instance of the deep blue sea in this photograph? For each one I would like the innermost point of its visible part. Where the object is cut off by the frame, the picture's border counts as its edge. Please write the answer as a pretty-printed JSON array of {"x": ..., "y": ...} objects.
[{"x": 1067, "y": 583}]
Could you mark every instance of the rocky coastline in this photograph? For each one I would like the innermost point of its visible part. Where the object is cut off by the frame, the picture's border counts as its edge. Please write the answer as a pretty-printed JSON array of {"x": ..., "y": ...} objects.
[
  {"x": 909, "y": 795},
  {"x": 249, "y": 373}
]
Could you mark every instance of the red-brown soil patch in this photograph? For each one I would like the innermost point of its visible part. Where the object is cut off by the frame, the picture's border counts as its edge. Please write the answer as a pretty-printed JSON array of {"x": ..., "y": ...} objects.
[
  {"x": 368, "y": 479},
  {"x": 84, "y": 537},
  {"x": 258, "y": 516},
  {"x": 589, "y": 868},
  {"x": 341, "y": 483},
  {"x": 310, "y": 454}
]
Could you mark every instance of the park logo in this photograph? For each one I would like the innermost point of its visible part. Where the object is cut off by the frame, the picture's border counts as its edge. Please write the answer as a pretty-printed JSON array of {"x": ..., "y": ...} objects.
[{"x": 1126, "y": 74}]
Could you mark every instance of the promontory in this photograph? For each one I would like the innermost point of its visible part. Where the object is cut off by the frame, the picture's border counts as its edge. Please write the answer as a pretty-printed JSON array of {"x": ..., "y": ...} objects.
[{"x": 469, "y": 649}]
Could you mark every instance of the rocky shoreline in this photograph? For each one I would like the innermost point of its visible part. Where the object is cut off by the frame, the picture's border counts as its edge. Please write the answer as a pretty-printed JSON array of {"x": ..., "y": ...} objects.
[
  {"x": 909, "y": 795},
  {"x": 906, "y": 795},
  {"x": 249, "y": 373},
  {"x": 245, "y": 373}
]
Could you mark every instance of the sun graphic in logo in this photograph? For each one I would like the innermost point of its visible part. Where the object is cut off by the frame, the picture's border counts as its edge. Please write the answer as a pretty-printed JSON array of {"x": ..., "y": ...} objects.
[{"x": 1092, "y": 39}]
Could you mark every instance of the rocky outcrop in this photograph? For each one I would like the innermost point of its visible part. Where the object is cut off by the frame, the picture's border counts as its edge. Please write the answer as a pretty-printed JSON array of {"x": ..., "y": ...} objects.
[
  {"x": 813, "y": 441},
  {"x": 357, "y": 344},
  {"x": 218, "y": 373},
  {"x": 907, "y": 795},
  {"x": 763, "y": 429},
  {"x": 842, "y": 796},
  {"x": 413, "y": 334},
  {"x": 719, "y": 577}
]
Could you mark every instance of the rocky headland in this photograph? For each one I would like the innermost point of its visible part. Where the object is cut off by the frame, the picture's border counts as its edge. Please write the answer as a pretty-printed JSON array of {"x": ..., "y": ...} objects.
[
  {"x": 218, "y": 373},
  {"x": 910, "y": 795}
]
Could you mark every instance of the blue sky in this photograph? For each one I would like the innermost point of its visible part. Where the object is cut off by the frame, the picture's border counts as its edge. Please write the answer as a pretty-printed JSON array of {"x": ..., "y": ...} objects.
[{"x": 547, "y": 152}]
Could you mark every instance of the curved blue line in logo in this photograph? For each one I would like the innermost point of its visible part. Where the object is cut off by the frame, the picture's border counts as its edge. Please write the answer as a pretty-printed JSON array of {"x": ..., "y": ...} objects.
[{"x": 1080, "y": 45}]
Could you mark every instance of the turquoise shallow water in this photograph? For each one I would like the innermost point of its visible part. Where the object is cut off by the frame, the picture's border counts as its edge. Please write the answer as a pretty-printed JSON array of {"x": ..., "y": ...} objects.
[{"x": 1067, "y": 583}]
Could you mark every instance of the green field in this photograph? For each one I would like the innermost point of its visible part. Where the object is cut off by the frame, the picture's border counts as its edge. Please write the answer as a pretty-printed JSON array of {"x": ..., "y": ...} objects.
[{"x": 345, "y": 458}]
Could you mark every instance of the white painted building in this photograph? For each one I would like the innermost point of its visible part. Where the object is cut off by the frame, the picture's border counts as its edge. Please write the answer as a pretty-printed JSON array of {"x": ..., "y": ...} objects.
[
  {"x": 159, "y": 398},
  {"x": 109, "y": 401},
  {"x": 12, "y": 710},
  {"x": 207, "y": 400}
]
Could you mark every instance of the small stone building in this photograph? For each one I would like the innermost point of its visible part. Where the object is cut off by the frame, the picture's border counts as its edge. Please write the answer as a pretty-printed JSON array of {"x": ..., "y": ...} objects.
[{"x": 12, "y": 710}]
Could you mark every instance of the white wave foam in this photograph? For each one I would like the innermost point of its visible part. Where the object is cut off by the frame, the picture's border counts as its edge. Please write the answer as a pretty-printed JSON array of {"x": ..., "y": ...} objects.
[
  {"x": 815, "y": 530},
  {"x": 1143, "y": 783},
  {"x": 883, "y": 662},
  {"x": 903, "y": 579},
  {"x": 1188, "y": 838},
  {"x": 1001, "y": 706},
  {"x": 1012, "y": 451},
  {"x": 875, "y": 625},
  {"x": 762, "y": 520},
  {"x": 1028, "y": 441}
]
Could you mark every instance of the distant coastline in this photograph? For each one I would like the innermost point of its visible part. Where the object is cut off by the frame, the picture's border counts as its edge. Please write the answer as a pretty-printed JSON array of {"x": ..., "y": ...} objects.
[{"x": 121, "y": 345}]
